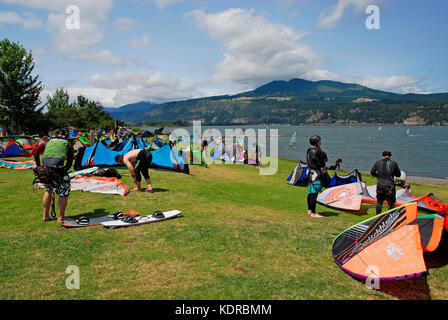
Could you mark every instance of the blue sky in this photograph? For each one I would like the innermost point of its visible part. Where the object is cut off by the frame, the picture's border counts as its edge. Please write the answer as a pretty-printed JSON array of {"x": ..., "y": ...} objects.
[{"x": 163, "y": 50}]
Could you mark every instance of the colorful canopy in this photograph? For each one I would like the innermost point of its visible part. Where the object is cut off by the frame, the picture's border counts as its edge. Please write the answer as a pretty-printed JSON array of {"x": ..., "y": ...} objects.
[{"x": 388, "y": 246}]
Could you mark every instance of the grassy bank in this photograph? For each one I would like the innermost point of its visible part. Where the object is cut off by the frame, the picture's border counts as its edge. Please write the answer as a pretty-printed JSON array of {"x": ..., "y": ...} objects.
[{"x": 241, "y": 236}]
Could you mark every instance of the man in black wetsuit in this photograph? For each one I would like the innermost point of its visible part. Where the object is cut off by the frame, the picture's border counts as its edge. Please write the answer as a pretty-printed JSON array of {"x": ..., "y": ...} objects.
[
  {"x": 385, "y": 170},
  {"x": 316, "y": 160}
]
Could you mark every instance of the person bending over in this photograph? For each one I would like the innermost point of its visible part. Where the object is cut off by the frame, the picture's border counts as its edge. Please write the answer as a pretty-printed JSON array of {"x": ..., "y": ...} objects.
[
  {"x": 138, "y": 162},
  {"x": 55, "y": 152}
]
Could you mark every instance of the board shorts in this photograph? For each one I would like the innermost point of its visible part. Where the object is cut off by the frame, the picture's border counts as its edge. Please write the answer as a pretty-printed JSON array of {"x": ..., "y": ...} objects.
[
  {"x": 315, "y": 186},
  {"x": 61, "y": 183}
]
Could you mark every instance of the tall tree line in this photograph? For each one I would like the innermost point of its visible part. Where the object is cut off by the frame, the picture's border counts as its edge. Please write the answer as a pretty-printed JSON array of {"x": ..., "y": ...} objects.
[{"x": 21, "y": 108}]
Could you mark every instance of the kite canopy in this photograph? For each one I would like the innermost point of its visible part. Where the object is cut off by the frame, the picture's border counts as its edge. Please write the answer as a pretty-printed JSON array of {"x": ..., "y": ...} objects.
[
  {"x": 102, "y": 185},
  {"x": 13, "y": 149},
  {"x": 299, "y": 176},
  {"x": 388, "y": 246},
  {"x": 17, "y": 165}
]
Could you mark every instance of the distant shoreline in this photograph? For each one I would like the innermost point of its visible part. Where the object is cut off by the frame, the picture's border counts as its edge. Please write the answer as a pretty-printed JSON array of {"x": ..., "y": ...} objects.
[
  {"x": 305, "y": 125},
  {"x": 423, "y": 180}
]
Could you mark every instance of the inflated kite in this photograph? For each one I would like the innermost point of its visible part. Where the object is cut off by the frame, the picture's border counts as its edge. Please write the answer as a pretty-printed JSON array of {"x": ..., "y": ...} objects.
[{"x": 389, "y": 246}]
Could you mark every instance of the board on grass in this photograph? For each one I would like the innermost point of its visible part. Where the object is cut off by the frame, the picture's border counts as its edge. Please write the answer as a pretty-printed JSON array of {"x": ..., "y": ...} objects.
[
  {"x": 89, "y": 222},
  {"x": 139, "y": 220},
  {"x": 85, "y": 221}
]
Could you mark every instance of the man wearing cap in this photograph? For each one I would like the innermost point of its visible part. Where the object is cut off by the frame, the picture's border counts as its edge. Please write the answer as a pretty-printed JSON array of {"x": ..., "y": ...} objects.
[{"x": 385, "y": 170}]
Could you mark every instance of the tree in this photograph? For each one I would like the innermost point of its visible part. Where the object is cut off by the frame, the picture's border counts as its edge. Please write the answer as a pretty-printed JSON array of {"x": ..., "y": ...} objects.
[
  {"x": 61, "y": 112},
  {"x": 19, "y": 90},
  {"x": 82, "y": 113}
]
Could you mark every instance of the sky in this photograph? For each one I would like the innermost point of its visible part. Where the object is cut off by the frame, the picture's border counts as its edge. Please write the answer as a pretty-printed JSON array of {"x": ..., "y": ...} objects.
[{"x": 119, "y": 52}]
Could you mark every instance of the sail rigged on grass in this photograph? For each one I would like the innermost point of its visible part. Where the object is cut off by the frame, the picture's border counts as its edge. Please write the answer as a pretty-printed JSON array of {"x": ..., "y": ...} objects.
[{"x": 388, "y": 246}]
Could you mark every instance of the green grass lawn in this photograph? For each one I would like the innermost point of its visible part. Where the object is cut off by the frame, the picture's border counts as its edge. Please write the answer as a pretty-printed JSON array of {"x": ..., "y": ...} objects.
[{"x": 241, "y": 236}]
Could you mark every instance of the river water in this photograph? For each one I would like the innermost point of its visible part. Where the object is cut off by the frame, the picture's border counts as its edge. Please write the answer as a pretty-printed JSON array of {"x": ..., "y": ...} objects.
[{"x": 418, "y": 150}]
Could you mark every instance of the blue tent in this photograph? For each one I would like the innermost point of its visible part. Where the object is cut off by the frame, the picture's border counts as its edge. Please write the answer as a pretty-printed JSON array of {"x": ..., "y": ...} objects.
[
  {"x": 133, "y": 143},
  {"x": 168, "y": 157},
  {"x": 96, "y": 155}
]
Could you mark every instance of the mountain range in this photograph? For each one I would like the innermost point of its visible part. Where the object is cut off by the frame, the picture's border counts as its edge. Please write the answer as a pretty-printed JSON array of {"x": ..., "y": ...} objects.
[{"x": 295, "y": 102}]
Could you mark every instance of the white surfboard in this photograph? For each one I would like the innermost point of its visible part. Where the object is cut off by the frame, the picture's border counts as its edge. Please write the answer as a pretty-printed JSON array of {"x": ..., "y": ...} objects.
[{"x": 142, "y": 220}]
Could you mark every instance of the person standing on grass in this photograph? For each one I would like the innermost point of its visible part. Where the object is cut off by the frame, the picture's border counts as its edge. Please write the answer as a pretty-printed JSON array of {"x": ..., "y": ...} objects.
[
  {"x": 385, "y": 170},
  {"x": 55, "y": 152},
  {"x": 316, "y": 160},
  {"x": 138, "y": 162}
]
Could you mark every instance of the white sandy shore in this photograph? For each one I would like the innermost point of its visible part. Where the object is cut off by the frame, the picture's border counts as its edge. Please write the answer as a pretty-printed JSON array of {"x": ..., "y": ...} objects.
[{"x": 423, "y": 180}]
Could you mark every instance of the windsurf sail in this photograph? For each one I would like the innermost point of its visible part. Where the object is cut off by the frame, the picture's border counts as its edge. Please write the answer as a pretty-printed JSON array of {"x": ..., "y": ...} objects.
[
  {"x": 385, "y": 247},
  {"x": 431, "y": 228},
  {"x": 292, "y": 141}
]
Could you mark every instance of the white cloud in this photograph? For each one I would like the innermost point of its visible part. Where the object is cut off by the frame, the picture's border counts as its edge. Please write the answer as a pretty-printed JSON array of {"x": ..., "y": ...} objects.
[
  {"x": 29, "y": 22},
  {"x": 331, "y": 15},
  {"x": 257, "y": 51},
  {"x": 321, "y": 74},
  {"x": 164, "y": 3},
  {"x": 137, "y": 86},
  {"x": 123, "y": 24},
  {"x": 91, "y": 13},
  {"x": 141, "y": 41},
  {"x": 73, "y": 40},
  {"x": 104, "y": 96},
  {"x": 398, "y": 84},
  {"x": 104, "y": 57},
  {"x": 10, "y": 17},
  {"x": 91, "y": 10}
]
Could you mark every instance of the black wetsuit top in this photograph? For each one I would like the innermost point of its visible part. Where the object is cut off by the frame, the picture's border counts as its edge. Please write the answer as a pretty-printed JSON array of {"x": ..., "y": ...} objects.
[
  {"x": 316, "y": 159},
  {"x": 385, "y": 170}
]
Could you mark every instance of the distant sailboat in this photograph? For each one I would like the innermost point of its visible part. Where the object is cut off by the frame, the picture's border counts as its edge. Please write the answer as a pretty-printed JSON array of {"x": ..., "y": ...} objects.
[
  {"x": 408, "y": 132},
  {"x": 379, "y": 128}
]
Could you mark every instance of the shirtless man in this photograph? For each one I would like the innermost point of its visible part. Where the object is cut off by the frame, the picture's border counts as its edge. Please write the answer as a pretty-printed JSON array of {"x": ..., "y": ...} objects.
[{"x": 138, "y": 162}]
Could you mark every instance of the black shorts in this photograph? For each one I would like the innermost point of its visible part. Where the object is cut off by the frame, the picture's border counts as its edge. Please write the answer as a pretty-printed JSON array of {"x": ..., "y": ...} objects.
[
  {"x": 141, "y": 167},
  {"x": 386, "y": 193}
]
